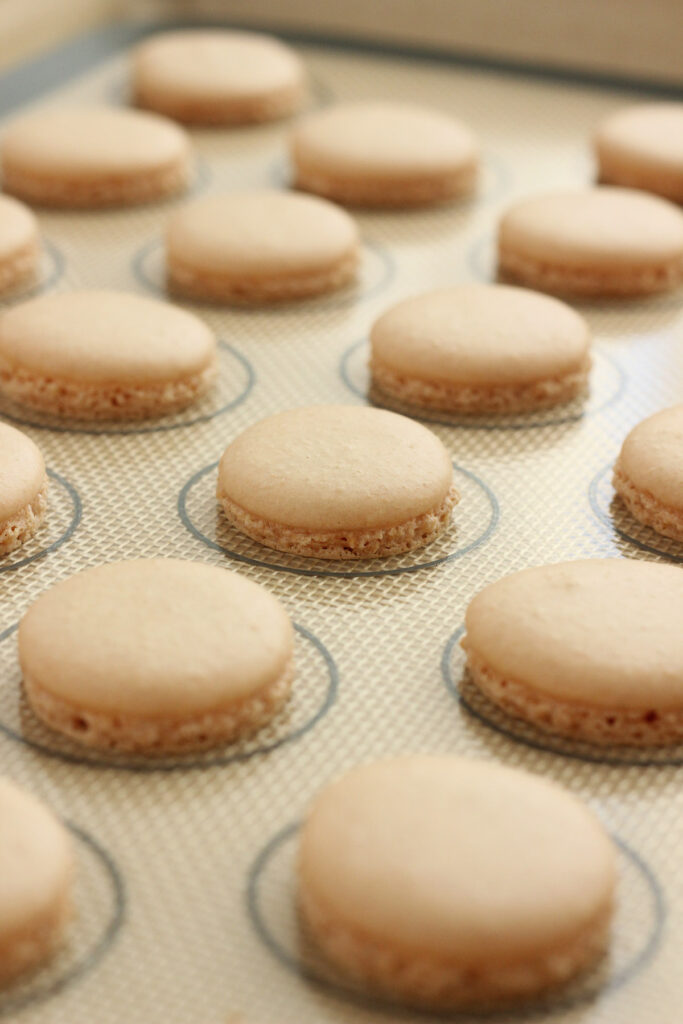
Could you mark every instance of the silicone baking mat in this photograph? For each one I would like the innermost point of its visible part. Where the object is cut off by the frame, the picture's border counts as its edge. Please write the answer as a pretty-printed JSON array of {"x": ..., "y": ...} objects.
[{"x": 186, "y": 903}]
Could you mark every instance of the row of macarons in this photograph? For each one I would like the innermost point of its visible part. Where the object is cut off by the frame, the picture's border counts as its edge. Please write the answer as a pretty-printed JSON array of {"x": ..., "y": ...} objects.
[{"x": 588, "y": 649}]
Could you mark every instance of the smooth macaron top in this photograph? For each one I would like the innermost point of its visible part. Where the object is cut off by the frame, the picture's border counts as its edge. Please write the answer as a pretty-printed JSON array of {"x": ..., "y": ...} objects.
[
  {"x": 215, "y": 64},
  {"x": 155, "y": 637},
  {"x": 595, "y": 227},
  {"x": 648, "y": 133},
  {"x": 382, "y": 139},
  {"x": 336, "y": 467},
  {"x": 651, "y": 456},
  {"x": 91, "y": 142},
  {"x": 456, "y": 858},
  {"x": 36, "y": 860},
  {"x": 480, "y": 334},
  {"x": 605, "y": 632},
  {"x": 104, "y": 337},
  {"x": 22, "y": 471},
  {"x": 260, "y": 232},
  {"x": 18, "y": 227}
]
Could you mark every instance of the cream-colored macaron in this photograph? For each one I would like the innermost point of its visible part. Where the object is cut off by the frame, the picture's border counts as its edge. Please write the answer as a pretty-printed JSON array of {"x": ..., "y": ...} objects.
[
  {"x": 216, "y": 76},
  {"x": 384, "y": 154},
  {"x": 594, "y": 241},
  {"x": 480, "y": 349},
  {"x": 260, "y": 246},
  {"x": 23, "y": 489},
  {"x": 19, "y": 244},
  {"x": 642, "y": 147},
  {"x": 588, "y": 649},
  {"x": 94, "y": 157},
  {"x": 36, "y": 881},
  {"x": 156, "y": 655},
  {"x": 336, "y": 481},
  {"x": 648, "y": 475},
  {"x": 104, "y": 355},
  {"x": 453, "y": 884}
]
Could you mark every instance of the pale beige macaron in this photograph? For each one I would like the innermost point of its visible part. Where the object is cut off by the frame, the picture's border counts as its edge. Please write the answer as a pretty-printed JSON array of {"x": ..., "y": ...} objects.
[
  {"x": 260, "y": 246},
  {"x": 23, "y": 489},
  {"x": 36, "y": 881},
  {"x": 337, "y": 481},
  {"x": 216, "y": 76},
  {"x": 601, "y": 241},
  {"x": 648, "y": 475},
  {"x": 588, "y": 649},
  {"x": 478, "y": 348},
  {"x": 94, "y": 157},
  {"x": 19, "y": 244},
  {"x": 156, "y": 656},
  {"x": 104, "y": 355},
  {"x": 642, "y": 147},
  {"x": 449, "y": 883},
  {"x": 382, "y": 153}
]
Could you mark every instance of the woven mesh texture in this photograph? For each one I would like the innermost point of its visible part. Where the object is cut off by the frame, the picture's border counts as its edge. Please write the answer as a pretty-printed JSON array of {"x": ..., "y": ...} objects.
[{"x": 197, "y": 851}]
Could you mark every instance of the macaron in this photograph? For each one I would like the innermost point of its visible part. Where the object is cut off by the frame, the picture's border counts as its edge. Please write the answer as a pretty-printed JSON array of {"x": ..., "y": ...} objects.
[
  {"x": 642, "y": 147},
  {"x": 451, "y": 884},
  {"x": 601, "y": 241},
  {"x": 156, "y": 656},
  {"x": 104, "y": 355},
  {"x": 94, "y": 157},
  {"x": 648, "y": 475},
  {"x": 590, "y": 649},
  {"x": 260, "y": 246},
  {"x": 480, "y": 348},
  {"x": 376, "y": 153},
  {"x": 336, "y": 481},
  {"x": 215, "y": 76},
  {"x": 36, "y": 881},
  {"x": 23, "y": 489},
  {"x": 19, "y": 244}
]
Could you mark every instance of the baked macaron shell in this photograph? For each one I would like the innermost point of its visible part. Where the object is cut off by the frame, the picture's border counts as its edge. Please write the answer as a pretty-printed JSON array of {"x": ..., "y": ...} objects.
[
  {"x": 481, "y": 334},
  {"x": 336, "y": 468},
  {"x": 650, "y": 456},
  {"x": 222, "y": 74},
  {"x": 22, "y": 471},
  {"x": 474, "y": 864},
  {"x": 36, "y": 869},
  {"x": 18, "y": 227},
  {"x": 157, "y": 637},
  {"x": 605, "y": 633},
  {"x": 642, "y": 147}
]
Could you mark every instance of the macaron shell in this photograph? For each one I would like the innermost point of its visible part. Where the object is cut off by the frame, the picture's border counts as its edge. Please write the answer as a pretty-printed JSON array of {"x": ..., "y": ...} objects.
[
  {"x": 481, "y": 334},
  {"x": 105, "y": 337},
  {"x": 643, "y": 146},
  {"x": 599, "y": 227},
  {"x": 456, "y": 858},
  {"x": 18, "y": 227},
  {"x": 651, "y": 456},
  {"x": 335, "y": 468},
  {"x": 22, "y": 471},
  {"x": 156, "y": 637},
  {"x": 600, "y": 632},
  {"x": 259, "y": 233}
]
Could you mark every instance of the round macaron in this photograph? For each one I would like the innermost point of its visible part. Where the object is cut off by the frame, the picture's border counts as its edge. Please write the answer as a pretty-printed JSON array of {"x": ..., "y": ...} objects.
[
  {"x": 19, "y": 244},
  {"x": 336, "y": 481},
  {"x": 595, "y": 241},
  {"x": 94, "y": 157},
  {"x": 156, "y": 656},
  {"x": 260, "y": 246},
  {"x": 384, "y": 154},
  {"x": 104, "y": 355},
  {"x": 648, "y": 475},
  {"x": 480, "y": 349},
  {"x": 215, "y": 76},
  {"x": 451, "y": 884},
  {"x": 23, "y": 489},
  {"x": 590, "y": 649},
  {"x": 36, "y": 881},
  {"x": 642, "y": 147}
]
